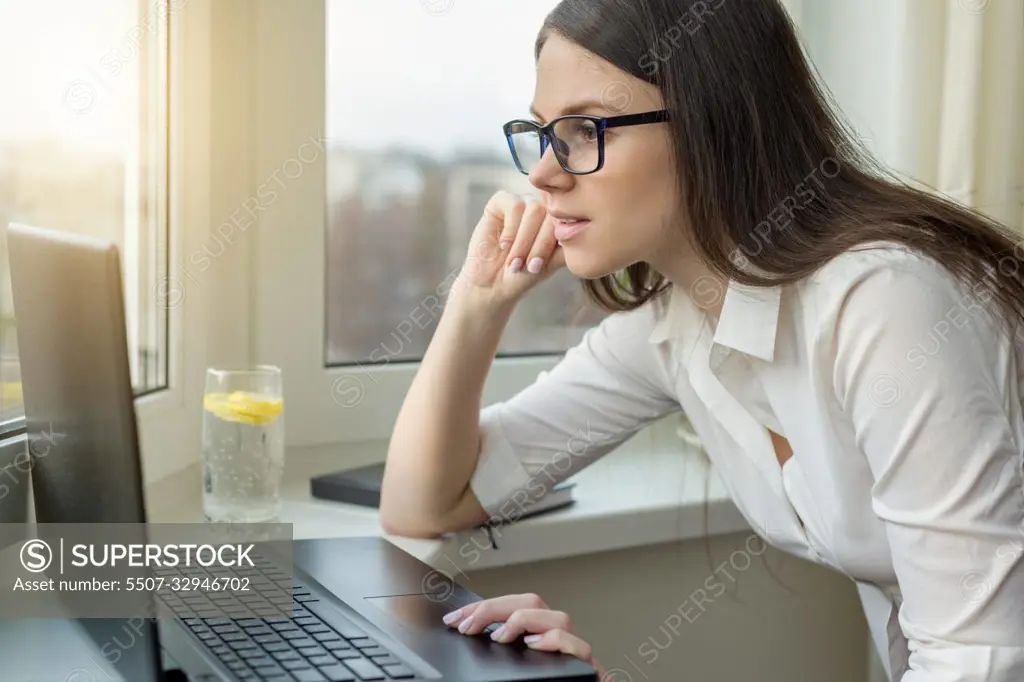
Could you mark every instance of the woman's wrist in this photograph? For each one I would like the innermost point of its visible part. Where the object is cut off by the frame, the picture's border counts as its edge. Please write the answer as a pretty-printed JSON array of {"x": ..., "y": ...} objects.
[{"x": 479, "y": 302}]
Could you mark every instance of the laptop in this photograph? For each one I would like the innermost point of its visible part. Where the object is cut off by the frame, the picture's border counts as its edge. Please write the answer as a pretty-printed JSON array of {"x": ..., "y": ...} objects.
[{"x": 360, "y": 607}]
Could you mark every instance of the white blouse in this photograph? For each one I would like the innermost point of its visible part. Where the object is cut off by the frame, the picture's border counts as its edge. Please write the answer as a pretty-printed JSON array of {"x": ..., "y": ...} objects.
[{"x": 901, "y": 399}]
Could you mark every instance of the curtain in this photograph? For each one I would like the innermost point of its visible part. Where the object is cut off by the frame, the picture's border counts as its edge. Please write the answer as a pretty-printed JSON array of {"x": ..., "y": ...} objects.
[{"x": 935, "y": 87}]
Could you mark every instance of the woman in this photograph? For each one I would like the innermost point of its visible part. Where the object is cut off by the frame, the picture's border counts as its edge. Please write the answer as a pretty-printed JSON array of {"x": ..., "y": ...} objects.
[{"x": 845, "y": 345}]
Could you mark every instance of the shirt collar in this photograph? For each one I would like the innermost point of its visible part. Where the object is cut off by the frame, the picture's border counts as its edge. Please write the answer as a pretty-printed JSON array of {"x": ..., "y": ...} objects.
[{"x": 748, "y": 323}]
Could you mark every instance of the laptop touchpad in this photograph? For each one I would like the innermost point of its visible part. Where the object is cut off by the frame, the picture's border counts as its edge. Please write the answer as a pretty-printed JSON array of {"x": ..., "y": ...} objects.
[
  {"x": 416, "y": 610},
  {"x": 477, "y": 658}
]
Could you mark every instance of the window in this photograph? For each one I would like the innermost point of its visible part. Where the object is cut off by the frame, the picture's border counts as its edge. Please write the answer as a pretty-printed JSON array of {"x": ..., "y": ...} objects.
[
  {"x": 374, "y": 141},
  {"x": 83, "y": 148},
  {"x": 415, "y": 151}
]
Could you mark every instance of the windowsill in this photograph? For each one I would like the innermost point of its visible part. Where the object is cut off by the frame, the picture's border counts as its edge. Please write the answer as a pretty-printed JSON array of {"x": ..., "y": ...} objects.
[{"x": 638, "y": 495}]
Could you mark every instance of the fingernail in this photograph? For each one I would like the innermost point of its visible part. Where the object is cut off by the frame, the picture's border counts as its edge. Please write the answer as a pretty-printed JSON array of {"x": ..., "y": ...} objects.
[
  {"x": 450, "y": 618},
  {"x": 496, "y": 635},
  {"x": 535, "y": 265},
  {"x": 464, "y": 625},
  {"x": 516, "y": 265},
  {"x": 504, "y": 244},
  {"x": 531, "y": 639}
]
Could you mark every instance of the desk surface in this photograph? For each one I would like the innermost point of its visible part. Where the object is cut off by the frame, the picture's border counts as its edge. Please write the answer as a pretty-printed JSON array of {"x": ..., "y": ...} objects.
[
  {"x": 644, "y": 493},
  {"x": 641, "y": 494}
]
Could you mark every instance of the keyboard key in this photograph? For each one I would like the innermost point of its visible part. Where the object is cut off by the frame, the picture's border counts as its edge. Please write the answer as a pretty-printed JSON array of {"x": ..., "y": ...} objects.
[
  {"x": 313, "y": 629},
  {"x": 288, "y": 655},
  {"x": 267, "y": 611},
  {"x": 242, "y": 645},
  {"x": 307, "y": 620},
  {"x": 225, "y": 629},
  {"x": 361, "y": 642},
  {"x": 248, "y": 622},
  {"x": 220, "y": 650},
  {"x": 255, "y": 656},
  {"x": 399, "y": 672},
  {"x": 266, "y": 671},
  {"x": 236, "y": 665},
  {"x": 207, "y": 636},
  {"x": 235, "y": 637},
  {"x": 295, "y": 634},
  {"x": 297, "y": 664},
  {"x": 267, "y": 639},
  {"x": 246, "y": 675},
  {"x": 309, "y": 675},
  {"x": 386, "y": 659},
  {"x": 214, "y": 621},
  {"x": 337, "y": 645},
  {"x": 312, "y": 651},
  {"x": 285, "y": 625},
  {"x": 192, "y": 622},
  {"x": 323, "y": 659},
  {"x": 260, "y": 661},
  {"x": 276, "y": 646},
  {"x": 328, "y": 636},
  {"x": 364, "y": 669},
  {"x": 337, "y": 673},
  {"x": 343, "y": 655},
  {"x": 374, "y": 651},
  {"x": 303, "y": 641},
  {"x": 256, "y": 630}
]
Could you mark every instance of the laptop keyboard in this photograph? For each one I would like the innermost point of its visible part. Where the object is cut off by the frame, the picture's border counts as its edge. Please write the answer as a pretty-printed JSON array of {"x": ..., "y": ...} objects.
[{"x": 265, "y": 634}]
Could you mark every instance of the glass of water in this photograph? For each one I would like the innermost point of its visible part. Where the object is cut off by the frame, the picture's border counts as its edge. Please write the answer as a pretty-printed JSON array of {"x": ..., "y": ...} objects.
[{"x": 243, "y": 445}]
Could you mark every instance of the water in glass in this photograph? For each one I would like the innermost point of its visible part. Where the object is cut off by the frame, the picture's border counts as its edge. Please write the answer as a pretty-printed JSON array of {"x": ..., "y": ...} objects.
[{"x": 243, "y": 445}]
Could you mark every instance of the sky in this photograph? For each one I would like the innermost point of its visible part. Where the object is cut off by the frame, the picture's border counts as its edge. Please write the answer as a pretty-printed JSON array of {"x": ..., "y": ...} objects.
[
  {"x": 431, "y": 74},
  {"x": 52, "y": 80},
  {"x": 432, "y": 79}
]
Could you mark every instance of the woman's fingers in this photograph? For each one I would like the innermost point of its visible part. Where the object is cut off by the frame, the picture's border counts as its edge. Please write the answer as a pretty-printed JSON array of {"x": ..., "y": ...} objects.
[
  {"x": 560, "y": 640},
  {"x": 475, "y": 618},
  {"x": 512, "y": 208},
  {"x": 543, "y": 247},
  {"x": 534, "y": 217},
  {"x": 527, "y": 621},
  {"x": 519, "y": 614}
]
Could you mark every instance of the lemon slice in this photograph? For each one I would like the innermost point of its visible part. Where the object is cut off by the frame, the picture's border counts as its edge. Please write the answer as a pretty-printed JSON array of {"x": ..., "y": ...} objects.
[{"x": 244, "y": 407}]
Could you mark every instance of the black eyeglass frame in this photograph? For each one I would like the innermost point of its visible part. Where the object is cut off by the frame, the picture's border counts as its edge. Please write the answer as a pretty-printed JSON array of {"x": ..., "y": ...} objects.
[{"x": 602, "y": 123}]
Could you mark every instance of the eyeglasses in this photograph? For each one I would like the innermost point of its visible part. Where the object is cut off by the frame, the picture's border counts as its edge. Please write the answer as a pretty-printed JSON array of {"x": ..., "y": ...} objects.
[{"x": 578, "y": 141}]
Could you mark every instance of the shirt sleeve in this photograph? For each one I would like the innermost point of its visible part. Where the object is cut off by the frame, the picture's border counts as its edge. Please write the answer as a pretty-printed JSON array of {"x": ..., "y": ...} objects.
[
  {"x": 931, "y": 384},
  {"x": 602, "y": 392}
]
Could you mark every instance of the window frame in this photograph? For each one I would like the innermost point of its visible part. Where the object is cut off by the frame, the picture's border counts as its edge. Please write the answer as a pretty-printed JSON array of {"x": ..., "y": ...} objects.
[
  {"x": 186, "y": 193},
  {"x": 322, "y": 405}
]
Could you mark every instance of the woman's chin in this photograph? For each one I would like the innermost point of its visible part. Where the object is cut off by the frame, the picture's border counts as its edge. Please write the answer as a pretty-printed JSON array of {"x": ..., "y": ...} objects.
[{"x": 587, "y": 267}]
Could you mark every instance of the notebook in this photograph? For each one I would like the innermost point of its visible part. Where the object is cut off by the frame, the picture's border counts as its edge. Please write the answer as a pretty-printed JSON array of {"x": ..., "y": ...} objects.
[{"x": 362, "y": 485}]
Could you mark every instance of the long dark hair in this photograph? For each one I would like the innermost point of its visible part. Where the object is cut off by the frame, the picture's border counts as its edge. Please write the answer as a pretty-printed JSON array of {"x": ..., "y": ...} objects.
[{"x": 766, "y": 167}]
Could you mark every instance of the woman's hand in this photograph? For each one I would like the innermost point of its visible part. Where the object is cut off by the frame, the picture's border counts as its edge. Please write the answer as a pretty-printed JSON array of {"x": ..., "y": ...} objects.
[
  {"x": 521, "y": 614},
  {"x": 512, "y": 249}
]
